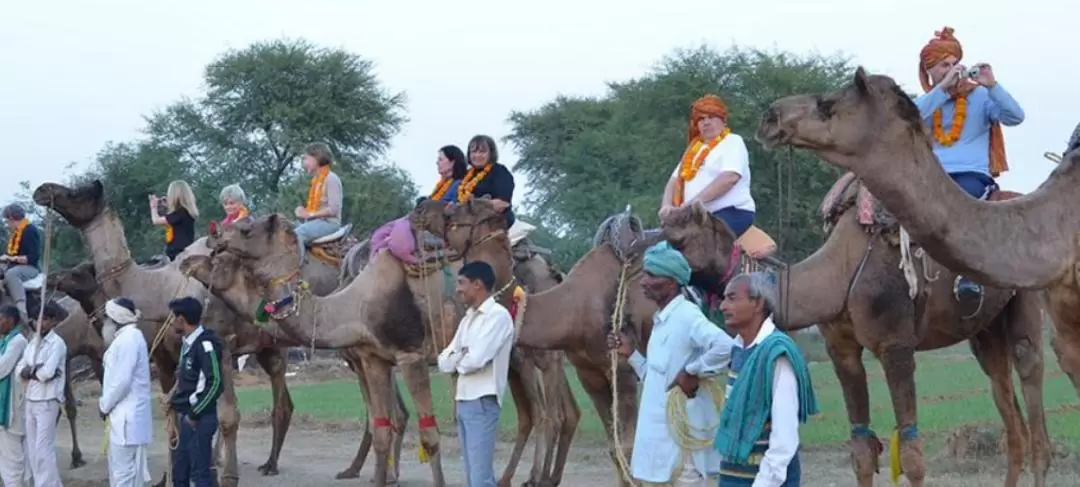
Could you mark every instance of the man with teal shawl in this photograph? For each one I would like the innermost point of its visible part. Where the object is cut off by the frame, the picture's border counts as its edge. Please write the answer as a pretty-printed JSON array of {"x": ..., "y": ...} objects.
[
  {"x": 769, "y": 392},
  {"x": 12, "y": 425}
]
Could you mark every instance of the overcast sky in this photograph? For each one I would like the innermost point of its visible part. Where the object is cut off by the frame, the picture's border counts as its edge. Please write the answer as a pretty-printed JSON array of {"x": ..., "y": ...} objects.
[{"x": 76, "y": 74}]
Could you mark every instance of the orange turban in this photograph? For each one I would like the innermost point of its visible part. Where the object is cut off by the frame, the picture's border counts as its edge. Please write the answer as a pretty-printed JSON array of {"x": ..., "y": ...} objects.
[
  {"x": 943, "y": 44},
  {"x": 707, "y": 106}
]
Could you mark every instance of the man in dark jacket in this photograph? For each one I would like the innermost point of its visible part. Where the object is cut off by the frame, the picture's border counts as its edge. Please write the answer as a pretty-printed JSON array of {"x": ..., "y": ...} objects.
[
  {"x": 21, "y": 256},
  {"x": 198, "y": 386}
]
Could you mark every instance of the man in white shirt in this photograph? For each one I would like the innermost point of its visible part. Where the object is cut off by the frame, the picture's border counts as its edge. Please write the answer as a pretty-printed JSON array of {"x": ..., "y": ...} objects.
[
  {"x": 683, "y": 347},
  {"x": 714, "y": 170},
  {"x": 769, "y": 391},
  {"x": 42, "y": 368},
  {"x": 125, "y": 395},
  {"x": 480, "y": 355},
  {"x": 12, "y": 428}
]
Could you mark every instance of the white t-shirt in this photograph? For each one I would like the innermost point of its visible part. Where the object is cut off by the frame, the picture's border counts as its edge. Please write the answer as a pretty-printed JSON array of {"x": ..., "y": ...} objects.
[{"x": 728, "y": 156}]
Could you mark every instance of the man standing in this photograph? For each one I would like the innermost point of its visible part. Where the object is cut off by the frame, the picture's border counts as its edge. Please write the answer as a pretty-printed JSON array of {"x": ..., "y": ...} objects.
[
  {"x": 683, "y": 348},
  {"x": 12, "y": 428},
  {"x": 964, "y": 110},
  {"x": 480, "y": 355},
  {"x": 42, "y": 368},
  {"x": 194, "y": 401},
  {"x": 125, "y": 395},
  {"x": 769, "y": 391},
  {"x": 22, "y": 255}
]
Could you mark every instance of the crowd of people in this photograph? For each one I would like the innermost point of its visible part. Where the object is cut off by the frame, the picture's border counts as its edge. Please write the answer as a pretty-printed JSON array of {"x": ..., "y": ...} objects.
[{"x": 768, "y": 391}]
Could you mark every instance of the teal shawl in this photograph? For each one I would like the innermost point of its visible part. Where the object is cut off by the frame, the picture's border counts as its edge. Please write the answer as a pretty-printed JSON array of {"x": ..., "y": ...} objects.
[
  {"x": 5, "y": 383},
  {"x": 747, "y": 409}
]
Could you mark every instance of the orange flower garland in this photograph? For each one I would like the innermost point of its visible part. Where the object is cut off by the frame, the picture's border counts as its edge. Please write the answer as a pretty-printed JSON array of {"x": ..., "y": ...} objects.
[
  {"x": 468, "y": 184},
  {"x": 315, "y": 191},
  {"x": 239, "y": 215},
  {"x": 15, "y": 240},
  {"x": 958, "y": 119},
  {"x": 441, "y": 188},
  {"x": 692, "y": 160},
  {"x": 169, "y": 234}
]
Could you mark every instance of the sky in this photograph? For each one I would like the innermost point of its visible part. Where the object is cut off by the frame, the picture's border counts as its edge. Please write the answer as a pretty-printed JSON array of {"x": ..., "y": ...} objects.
[{"x": 78, "y": 74}]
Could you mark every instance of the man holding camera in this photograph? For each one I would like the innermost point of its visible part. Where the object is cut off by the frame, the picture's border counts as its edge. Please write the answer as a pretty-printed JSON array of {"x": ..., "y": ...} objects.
[{"x": 965, "y": 109}]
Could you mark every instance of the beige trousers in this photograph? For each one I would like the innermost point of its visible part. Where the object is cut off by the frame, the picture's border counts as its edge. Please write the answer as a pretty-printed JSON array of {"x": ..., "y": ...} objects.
[{"x": 12, "y": 459}]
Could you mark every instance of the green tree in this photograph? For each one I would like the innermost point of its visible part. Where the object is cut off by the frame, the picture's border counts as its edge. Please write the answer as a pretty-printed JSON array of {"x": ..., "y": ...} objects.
[{"x": 587, "y": 158}]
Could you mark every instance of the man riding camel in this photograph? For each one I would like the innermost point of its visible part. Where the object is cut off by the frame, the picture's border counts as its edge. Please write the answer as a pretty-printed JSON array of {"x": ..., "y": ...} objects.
[{"x": 965, "y": 109}]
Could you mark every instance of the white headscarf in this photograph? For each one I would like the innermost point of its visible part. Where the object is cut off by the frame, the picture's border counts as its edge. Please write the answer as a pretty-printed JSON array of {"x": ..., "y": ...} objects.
[{"x": 115, "y": 315}]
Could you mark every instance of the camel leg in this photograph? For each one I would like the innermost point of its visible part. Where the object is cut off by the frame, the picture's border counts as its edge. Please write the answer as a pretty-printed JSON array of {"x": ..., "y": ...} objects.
[
  {"x": 379, "y": 375},
  {"x": 524, "y": 387},
  {"x": 166, "y": 372},
  {"x": 570, "y": 418},
  {"x": 597, "y": 385},
  {"x": 272, "y": 360},
  {"x": 399, "y": 417},
  {"x": 846, "y": 355},
  {"x": 228, "y": 422},
  {"x": 1066, "y": 340},
  {"x": 1024, "y": 332},
  {"x": 991, "y": 350},
  {"x": 418, "y": 380},
  {"x": 898, "y": 360},
  {"x": 71, "y": 410}
]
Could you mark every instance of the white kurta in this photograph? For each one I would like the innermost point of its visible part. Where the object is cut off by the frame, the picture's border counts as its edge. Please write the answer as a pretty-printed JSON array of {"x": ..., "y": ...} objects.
[
  {"x": 12, "y": 450},
  {"x": 44, "y": 393},
  {"x": 682, "y": 338},
  {"x": 126, "y": 399}
]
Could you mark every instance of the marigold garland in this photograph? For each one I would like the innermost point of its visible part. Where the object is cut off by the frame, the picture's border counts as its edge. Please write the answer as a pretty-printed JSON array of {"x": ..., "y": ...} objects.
[
  {"x": 441, "y": 188},
  {"x": 15, "y": 240},
  {"x": 468, "y": 184},
  {"x": 692, "y": 160},
  {"x": 169, "y": 234},
  {"x": 958, "y": 119},
  {"x": 235, "y": 217},
  {"x": 315, "y": 191}
]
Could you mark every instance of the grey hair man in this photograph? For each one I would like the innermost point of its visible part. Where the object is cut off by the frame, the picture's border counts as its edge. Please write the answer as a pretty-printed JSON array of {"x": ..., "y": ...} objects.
[{"x": 22, "y": 255}]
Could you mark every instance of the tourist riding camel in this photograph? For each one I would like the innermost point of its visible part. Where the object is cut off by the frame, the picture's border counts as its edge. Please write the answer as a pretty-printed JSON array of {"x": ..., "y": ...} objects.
[
  {"x": 970, "y": 147},
  {"x": 179, "y": 219},
  {"x": 234, "y": 202},
  {"x": 320, "y": 217},
  {"x": 22, "y": 257}
]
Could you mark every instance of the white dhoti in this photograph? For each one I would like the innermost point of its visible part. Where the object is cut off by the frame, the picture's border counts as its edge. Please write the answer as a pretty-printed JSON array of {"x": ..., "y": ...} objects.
[
  {"x": 128, "y": 466},
  {"x": 41, "y": 442},
  {"x": 12, "y": 459}
]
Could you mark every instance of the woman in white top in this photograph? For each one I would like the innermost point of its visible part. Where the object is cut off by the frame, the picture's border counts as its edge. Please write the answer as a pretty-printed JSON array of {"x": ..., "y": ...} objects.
[{"x": 714, "y": 170}]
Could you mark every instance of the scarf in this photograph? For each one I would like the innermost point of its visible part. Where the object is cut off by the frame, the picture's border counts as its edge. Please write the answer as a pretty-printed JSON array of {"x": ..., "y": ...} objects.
[
  {"x": 662, "y": 260},
  {"x": 747, "y": 409},
  {"x": 5, "y": 383}
]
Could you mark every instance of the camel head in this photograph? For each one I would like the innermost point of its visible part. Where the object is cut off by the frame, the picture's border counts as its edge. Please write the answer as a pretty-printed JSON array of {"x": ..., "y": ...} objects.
[
  {"x": 79, "y": 282},
  {"x": 79, "y": 205},
  {"x": 216, "y": 272},
  {"x": 705, "y": 241},
  {"x": 430, "y": 216},
  {"x": 268, "y": 244},
  {"x": 467, "y": 222},
  {"x": 843, "y": 126}
]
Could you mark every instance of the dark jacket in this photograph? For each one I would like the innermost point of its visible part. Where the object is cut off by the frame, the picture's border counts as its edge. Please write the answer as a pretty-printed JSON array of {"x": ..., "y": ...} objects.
[
  {"x": 183, "y": 225},
  {"x": 499, "y": 185},
  {"x": 202, "y": 361},
  {"x": 30, "y": 246}
]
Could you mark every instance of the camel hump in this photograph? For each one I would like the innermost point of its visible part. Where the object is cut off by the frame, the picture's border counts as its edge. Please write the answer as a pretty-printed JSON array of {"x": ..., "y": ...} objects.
[{"x": 621, "y": 231}]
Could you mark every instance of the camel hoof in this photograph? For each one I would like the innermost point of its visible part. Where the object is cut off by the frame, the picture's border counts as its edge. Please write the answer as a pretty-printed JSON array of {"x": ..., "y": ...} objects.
[
  {"x": 77, "y": 462},
  {"x": 390, "y": 480},
  {"x": 348, "y": 474},
  {"x": 268, "y": 470}
]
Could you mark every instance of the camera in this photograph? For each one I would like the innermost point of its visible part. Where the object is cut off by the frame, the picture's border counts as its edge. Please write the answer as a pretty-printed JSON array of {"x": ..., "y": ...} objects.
[{"x": 973, "y": 72}]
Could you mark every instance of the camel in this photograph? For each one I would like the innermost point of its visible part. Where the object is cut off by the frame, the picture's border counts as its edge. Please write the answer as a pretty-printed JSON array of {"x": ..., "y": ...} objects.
[
  {"x": 573, "y": 317},
  {"x": 231, "y": 281},
  {"x": 868, "y": 306},
  {"x": 1030, "y": 242},
  {"x": 85, "y": 209}
]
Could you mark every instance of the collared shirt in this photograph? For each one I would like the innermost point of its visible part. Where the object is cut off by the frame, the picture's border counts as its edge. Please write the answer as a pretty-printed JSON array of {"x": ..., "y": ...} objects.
[
  {"x": 730, "y": 155},
  {"x": 189, "y": 340},
  {"x": 480, "y": 352},
  {"x": 984, "y": 106},
  {"x": 784, "y": 416},
  {"x": 52, "y": 357},
  {"x": 8, "y": 367},
  {"x": 682, "y": 338},
  {"x": 125, "y": 389}
]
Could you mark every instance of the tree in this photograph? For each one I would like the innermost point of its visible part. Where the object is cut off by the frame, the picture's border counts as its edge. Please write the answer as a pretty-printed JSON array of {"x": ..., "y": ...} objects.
[{"x": 587, "y": 158}]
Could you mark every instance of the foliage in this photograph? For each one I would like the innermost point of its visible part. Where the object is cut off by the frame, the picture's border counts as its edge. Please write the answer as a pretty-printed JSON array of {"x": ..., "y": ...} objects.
[{"x": 588, "y": 157}]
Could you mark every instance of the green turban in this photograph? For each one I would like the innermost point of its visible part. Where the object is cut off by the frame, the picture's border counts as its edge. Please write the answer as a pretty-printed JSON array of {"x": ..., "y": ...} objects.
[{"x": 664, "y": 261}]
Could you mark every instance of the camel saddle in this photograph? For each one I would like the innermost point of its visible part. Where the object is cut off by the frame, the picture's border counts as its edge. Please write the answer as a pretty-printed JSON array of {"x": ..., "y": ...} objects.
[
  {"x": 521, "y": 247},
  {"x": 332, "y": 248}
]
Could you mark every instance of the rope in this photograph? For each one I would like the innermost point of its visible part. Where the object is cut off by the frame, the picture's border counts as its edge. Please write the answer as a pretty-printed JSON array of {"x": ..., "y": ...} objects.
[
  {"x": 686, "y": 434},
  {"x": 616, "y": 327},
  {"x": 47, "y": 256}
]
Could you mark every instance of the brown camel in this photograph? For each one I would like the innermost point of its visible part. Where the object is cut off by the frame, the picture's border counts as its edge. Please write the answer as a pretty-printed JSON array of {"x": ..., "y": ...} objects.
[
  {"x": 867, "y": 305},
  {"x": 1029, "y": 242},
  {"x": 85, "y": 209},
  {"x": 574, "y": 316},
  {"x": 233, "y": 283}
]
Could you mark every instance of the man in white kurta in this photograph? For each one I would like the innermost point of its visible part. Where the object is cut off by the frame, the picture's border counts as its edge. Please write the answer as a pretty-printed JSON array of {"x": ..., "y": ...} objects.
[
  {"x": 12, "y": 429},
  {"x": 683, "y": 347},
  {"x": 125, "y": 395},
  {"x": 42, "y": 368}
]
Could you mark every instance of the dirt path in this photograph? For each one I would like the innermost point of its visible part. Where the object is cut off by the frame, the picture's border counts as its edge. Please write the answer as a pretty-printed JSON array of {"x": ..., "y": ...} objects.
[{"x": 314, "y": 454}]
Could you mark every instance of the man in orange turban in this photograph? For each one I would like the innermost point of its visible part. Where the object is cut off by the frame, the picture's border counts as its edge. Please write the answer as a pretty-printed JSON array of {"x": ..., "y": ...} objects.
[
  {"x": 965, "y": 110},
  {"x": 714, "y": 170}
]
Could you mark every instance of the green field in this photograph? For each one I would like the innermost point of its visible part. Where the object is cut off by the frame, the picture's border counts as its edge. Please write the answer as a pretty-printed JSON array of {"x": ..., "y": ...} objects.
[{"x": 952, "y": 392}]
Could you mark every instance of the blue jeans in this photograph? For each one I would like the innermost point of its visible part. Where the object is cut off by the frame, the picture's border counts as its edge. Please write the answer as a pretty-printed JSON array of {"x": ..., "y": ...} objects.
[
  {"x": 975, "y": 184},
  {"x": 737, "y": 220},
  {"x": 478, "y": 423},
  {"x": 312, "y": 230},
  {"x": 194, "y": 455}
]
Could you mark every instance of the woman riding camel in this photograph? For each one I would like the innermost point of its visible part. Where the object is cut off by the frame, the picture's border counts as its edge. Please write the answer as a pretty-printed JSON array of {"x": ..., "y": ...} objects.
[
  {"x": 234, "y": 202},
  {"x": 397, "y": 235},
  {"x": 970, "y": 146},
  {"x": 715, "y": 169},
  {"x": 179, "y": 219},
  {"x": 486, "y": 177},
  {"x": 321, "y": 215}
]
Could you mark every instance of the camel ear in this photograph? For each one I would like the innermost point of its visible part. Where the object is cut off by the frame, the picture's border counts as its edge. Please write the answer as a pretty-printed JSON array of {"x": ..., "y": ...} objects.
[
  {"x": 86, "y": 268},
  {"x": 700, "y": 214},
  {"x": 862, "y": 81},
  {"x": 273, "y": 222}
]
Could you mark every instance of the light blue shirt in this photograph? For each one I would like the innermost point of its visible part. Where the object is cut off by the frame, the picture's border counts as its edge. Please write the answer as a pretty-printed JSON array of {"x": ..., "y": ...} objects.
[
  {"x": 971, "y": 153},
  {"x": 682, "y": 338}
]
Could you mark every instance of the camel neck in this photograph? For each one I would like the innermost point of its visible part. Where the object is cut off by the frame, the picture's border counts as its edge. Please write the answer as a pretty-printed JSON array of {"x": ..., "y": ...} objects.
[
  {"x": 107, "y": 243},
  {"x": 817, "y": 286}
]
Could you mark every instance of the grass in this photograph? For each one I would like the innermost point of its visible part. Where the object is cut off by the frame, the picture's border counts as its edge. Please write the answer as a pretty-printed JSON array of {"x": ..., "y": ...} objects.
[{"x": 952, "y": 391}]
